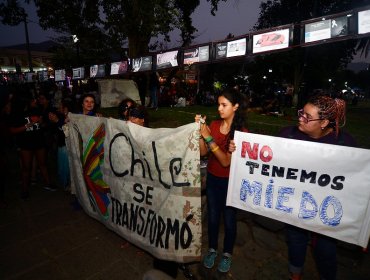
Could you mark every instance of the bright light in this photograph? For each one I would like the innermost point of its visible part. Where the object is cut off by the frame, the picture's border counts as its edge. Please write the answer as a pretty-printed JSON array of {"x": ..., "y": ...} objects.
[
  {"x": 270, "y": 70},
  {"x": 75, "y": 38},
  {"x": 329, "y": 80},
  {"x": 264, "y": 77}
]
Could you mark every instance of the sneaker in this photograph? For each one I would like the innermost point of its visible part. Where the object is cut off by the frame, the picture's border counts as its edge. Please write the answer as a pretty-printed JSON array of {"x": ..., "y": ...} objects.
[
  {"x": 225, "y": 263},
  {"x": 209, "y": 259},
  {"x": 50, "y": 188}
]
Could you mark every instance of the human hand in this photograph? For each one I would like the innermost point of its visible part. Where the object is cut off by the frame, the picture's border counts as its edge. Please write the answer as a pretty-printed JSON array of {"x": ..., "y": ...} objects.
[
  {"x": 199, "y": 119},
  {"x": 204, "y": 130},
  {"x": 232, "y": 146}
]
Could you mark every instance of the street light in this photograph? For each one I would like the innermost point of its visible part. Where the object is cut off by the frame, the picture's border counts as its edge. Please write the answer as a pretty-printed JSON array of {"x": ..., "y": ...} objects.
[
  {"x": 76, "y": 41},
  {"x": 75, "y": 38}
]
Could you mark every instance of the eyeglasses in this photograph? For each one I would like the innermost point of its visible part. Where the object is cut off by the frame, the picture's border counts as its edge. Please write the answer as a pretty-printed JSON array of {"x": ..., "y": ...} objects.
[{"x": 302, "y": 114}]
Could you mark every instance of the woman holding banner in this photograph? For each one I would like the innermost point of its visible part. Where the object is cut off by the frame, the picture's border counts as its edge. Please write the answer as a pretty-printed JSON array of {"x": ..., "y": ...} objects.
[
  {"x": 319, "y": 121},
  {"x": 88, "y": 105},
  {"x": 214, "y": 142}
]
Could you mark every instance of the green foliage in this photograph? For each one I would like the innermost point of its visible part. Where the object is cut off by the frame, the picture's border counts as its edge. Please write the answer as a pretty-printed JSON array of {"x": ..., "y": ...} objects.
[{"x": 257, "y": 123}]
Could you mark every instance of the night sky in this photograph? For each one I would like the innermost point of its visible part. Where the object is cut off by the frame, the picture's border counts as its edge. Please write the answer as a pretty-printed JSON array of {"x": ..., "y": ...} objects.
[{"x": 235, "y": 16}]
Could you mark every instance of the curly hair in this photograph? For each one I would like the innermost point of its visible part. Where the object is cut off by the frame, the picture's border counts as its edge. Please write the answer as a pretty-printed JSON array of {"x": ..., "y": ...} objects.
[
  {"x": 331, "y": 109},
  {"x": 240, "y": 118}
]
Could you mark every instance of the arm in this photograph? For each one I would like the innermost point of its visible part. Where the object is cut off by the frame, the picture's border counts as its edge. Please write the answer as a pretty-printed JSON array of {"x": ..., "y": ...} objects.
[
  {"x": 223, "y": 157},
  {"x": 19, "y": 129},
  {"x": 202, "y": 144}
]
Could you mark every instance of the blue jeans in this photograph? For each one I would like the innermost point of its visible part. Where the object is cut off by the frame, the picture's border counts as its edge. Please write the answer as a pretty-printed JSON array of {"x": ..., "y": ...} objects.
[
  {"x": 324, "y": 248},
  {"x": 216, "y": 189}
]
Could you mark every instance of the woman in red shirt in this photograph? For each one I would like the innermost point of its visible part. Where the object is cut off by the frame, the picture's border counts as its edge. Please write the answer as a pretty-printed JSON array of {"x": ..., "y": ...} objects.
[{"x": 214, "y": 142}]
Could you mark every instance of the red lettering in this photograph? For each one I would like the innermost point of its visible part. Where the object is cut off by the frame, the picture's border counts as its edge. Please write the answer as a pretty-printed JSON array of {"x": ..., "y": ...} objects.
[
  {"x": 265, "y": 153},
  {"x": 252, "y": 153}
]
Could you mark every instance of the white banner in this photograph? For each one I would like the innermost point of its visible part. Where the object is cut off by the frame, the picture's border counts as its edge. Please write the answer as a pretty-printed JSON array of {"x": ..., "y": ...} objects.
[
  {"x": 320, "y": 187},
  {"x": 142, "y": 183}
]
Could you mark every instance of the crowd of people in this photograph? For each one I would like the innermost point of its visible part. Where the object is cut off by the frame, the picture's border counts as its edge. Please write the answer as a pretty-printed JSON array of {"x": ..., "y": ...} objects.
[{"x": 35, "y": 120}]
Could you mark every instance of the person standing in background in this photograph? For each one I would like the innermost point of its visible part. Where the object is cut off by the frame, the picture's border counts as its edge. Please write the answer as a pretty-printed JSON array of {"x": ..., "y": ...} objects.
[
  {"x": 59, "y": 118},
  {"x": 27, "y": 126},
  {"x": 142, "y": 86},
  {"x": 153, "y": 87}
]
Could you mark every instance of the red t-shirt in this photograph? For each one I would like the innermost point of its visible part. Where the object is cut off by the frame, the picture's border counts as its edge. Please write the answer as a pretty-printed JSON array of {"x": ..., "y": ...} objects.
[{"x": 214, "y": 167}]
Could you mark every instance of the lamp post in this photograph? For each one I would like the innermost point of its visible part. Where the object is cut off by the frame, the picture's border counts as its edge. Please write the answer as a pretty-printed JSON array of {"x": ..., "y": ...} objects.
[
  {"x": 76, "y": 42},
  {"x": 27, "y": 43}
]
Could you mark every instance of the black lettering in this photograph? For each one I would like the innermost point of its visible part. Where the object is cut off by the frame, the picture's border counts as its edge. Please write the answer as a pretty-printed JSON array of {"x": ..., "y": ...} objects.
[
  {"x": 135, "y": 161},
  {"x": 305, "y": 176},
  {"x": 265, "y": 170},
  {"x": 153, "y": 229},
  {"x": 277, "y": 171},
  {"x": 118, "y": 174},
  {"x": 323, "y": 180},
  {"x": 177, "y": 172},
  {"x": 252, "y": 166},
  {"x": 147, "y": 165},
  {"x": 125, "y": 215},
  {"x": 141, "y": 215},
  {"x": 113, "y": 209},
  {"x": 291, "y": 173},
  {"x": 185, "y": 243},
  {"x": 150, "y": 213},
  {"x": 338, "y": 185},
  {"x": 138, "y": 189},
  {"x": 172, "y": 229},
  {"x": 149, "y": 195},
  {"x": 118, "y": 212},
  {"x": 160, "y": 232},
  {"x": 133, "y": 217},
  {"x": 157, "y": 167}
]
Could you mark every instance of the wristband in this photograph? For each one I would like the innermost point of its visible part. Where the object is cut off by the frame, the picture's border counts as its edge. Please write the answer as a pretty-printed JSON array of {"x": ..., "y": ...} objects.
[
  {"x": 215, "y": 149},
  {"x": 208, "y": 139}
]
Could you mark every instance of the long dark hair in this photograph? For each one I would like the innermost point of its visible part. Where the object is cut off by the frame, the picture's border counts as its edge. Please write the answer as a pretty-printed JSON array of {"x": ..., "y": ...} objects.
[{"x": 240, "y": 117}]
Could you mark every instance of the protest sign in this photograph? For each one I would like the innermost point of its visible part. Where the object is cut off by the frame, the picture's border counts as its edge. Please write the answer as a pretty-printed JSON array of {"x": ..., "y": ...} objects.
[
  {"x": 142, "y": 183},
  {"x": 319, "y": 187}
]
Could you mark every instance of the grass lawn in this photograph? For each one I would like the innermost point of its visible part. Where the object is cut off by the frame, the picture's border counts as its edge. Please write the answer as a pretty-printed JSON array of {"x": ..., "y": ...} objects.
[{"x": 358, "y": 119}]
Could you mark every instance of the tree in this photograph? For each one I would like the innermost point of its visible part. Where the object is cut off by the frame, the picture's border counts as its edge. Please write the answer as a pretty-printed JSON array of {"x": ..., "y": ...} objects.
[
  {"x": 11, "y": 13},
  {"x": 103, "y": 27},
  {"x": 311, "y": 66}
]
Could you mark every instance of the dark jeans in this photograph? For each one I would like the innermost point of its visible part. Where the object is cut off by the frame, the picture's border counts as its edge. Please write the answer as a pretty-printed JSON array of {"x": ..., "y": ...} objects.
[
  {"x": 216, "y": 189},
  {"x": 324, "y": 248}
]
